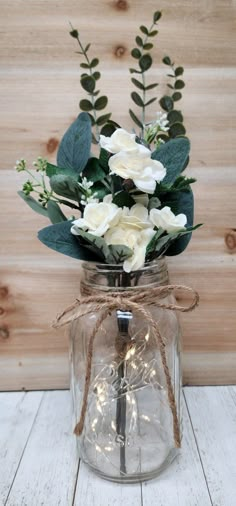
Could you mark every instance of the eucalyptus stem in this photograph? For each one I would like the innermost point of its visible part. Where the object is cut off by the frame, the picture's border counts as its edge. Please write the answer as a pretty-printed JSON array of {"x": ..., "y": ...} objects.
[
  {"x": 144, "y": 81},
  {"x": 91, "y": 75}
]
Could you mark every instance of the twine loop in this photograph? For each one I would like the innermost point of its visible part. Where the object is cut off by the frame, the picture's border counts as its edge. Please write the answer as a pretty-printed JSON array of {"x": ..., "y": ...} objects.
[{"x": 126, "y": 300}]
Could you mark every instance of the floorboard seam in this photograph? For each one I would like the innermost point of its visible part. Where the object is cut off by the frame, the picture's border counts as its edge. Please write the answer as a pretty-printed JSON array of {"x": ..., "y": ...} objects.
[
  {"x": 26, "y": 443},
  {"x": 199, "y": 454},
  {"x": 76, "y": 482}
]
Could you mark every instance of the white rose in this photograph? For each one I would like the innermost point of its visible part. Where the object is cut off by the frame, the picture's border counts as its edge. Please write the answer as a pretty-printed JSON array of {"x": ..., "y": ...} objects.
[
  {"x": 138, "y": 166},
  {"x": 120, "y": 140},
  {"x": 164, "y": 218},
  {"x": 142, "y": 198},
  {"x": 137, "y": 260},
  {"x": 136, "y": 217},
  {"x": 97, "y": 218},
  {"x": 135, "y": 239}
]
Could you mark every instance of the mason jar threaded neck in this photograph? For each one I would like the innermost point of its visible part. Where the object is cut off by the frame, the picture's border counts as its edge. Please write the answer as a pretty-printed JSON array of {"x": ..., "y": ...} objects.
[{"x": 112, "y": 277}]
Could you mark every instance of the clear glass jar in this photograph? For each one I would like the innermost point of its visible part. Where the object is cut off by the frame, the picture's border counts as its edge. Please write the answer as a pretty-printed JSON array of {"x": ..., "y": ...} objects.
[{"x": 128, "y": 427}]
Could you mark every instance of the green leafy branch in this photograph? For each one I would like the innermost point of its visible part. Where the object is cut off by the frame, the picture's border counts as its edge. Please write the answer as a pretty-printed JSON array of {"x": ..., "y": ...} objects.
[
  {"x": 88, "y": 81},
  {"x": 145, "y": 62},
  {"x": 167, "y": 102}
]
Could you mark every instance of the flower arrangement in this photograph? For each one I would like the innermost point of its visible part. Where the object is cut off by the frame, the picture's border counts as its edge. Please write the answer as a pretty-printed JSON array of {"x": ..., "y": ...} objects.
[{"x": 131, "y": 203}]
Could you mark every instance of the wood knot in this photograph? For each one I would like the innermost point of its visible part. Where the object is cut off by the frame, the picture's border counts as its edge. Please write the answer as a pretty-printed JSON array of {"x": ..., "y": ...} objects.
[
  {"x": 230, "y": 240},
  {"x": 4, "y": 292},
  {"x": 122, "y": 5},
  {"x": 4, "y": 332},
  {"x": 52, "y": 145},
  {"x": 119, "y": 51}
]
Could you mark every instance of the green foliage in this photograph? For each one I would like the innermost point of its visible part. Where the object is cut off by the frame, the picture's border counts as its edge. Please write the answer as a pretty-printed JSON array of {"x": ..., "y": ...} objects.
[
  {"x": 118, "y": 253},
  {"x": 176, "y": 96},
  {"x": 59, "y": 238},
  {"x": 123, "y": 199},
  {"x": 53, "y": 170},
  {"x": 145, "y": 62},
  {"x": 137, "y": 99},
  {"x": 74, "y": 148},
  {"x": 98, "y": 246},
  {"x": 173, "y": 156},
  {"x": 88, "y": 81},
  {"x": 65, "y": 186},
  {"x": 54, "y": 212},
  {"x": 175, "y": 117},
  {"x": 93, "y": 170},
  {"x": 135, "y": 118},
  {"x": 177, "y": 129},
  {"x": 167, "y": 102},
  {"x": 33, "y": 204}
]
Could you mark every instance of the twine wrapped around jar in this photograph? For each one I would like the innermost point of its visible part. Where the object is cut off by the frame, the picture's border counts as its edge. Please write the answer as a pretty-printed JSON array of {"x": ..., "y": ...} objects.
[{"x": 94, "y": 301}]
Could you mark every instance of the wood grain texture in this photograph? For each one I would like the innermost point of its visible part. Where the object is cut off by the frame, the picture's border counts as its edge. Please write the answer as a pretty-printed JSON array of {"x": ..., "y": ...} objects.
[
  {"x": 39, "y": 465},
  {"x": 47, "y": 474},
  {"x": 215, "y": 432},
  {"x": 183, "y": 483},
  {"x": 39, "y": 95},
  {"x": 17, "y": 414}
]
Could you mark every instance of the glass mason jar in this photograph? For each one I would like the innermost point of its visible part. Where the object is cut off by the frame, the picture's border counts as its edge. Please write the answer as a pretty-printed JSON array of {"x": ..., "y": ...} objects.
[{"x": 127, "y": 434}]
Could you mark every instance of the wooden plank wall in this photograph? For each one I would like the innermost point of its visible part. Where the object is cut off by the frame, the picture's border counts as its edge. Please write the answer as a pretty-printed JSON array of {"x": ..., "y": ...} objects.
[{"x": 39, "y": 98}]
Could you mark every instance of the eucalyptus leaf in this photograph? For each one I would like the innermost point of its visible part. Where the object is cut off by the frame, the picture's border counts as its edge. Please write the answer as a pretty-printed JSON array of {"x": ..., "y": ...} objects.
[
  {"x": 145, "y": 62},
  {"x": 59, "y": 238},
  {"x": 156, "y": 16},
  {"x": 135, "y": 119},
  {"x": 136, "y": 53},
  {"x": 53, "y": 170},
  {"x": 93, "y": 170},
  {"x": 137, "y": 99},
  {"x": 103, "y": 119},
  {"x": 153, "y": 33},
  {"x": 179, "y": 71},
  {"x": 94, "y": 62},
  {"x": 88, "y": 83},
  {"x": 138, "y": 84},
  {"x": 101, "y": 103},
  {"x": 54, "y": 212},
  {"x": 150, "y": 101},
  {"x": 139, "y": 41},
  {"x": 151, "y": 86},
  {"x": 74, "y": 148},
  {"x": 104, "y": 159},
  {"x": 174, "y": 116},
  {"x": 33, "y": 204},
  {"x": 123, "y": 199},
  {"x": 144, "y": 29},
  {"x": 96, "y": 75},
  {"x": 86, "y": 105},
  {"x": 158, "y": 244},
  {"x": 166, "y": 103},
  {"x": 166, "y": 60},
  {"x": 181, "y": 202},
  {"x": 179, "y": 84},
  {"x": 108, "y": 129},
  {"x": 100, "y": 190},
  {"x": 94, "y": 244},
  {"x": 176, "y": 96},
  {"x": 118, "y": 253},
  {"x": 148, "y": 46},
  {"x": 173, "y": 156},
  {"x": 177, "y": 129},
  {"x": 65, "y": 186}
]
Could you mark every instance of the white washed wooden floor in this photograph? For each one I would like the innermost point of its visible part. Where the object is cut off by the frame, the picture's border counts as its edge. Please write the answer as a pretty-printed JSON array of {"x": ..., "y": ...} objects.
[{"x": 38, "y": 464}]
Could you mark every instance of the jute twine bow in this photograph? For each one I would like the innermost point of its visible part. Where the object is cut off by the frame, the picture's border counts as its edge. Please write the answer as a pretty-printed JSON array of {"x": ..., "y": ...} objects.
[{"x": 134, "y": 300}]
